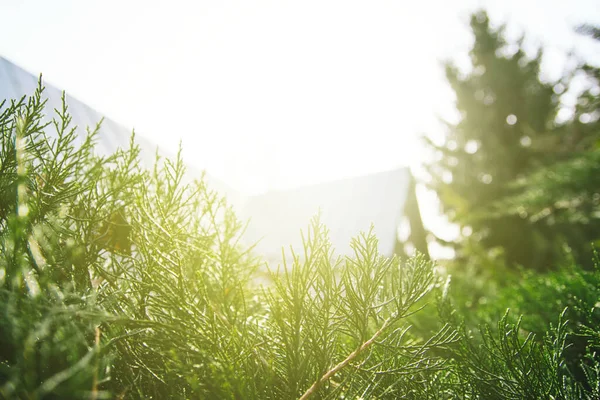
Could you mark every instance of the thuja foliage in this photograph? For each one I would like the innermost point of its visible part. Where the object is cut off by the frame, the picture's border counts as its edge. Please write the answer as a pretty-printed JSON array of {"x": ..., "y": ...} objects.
[
  {"x": 121, "y": 282},
  {"x": 558, "y": 310}
]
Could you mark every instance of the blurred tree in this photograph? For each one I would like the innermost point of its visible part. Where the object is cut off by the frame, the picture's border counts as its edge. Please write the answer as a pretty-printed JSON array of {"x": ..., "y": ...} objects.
[
  {"x": 506, "y": 130},
  {"x": 565, "y": 196}
]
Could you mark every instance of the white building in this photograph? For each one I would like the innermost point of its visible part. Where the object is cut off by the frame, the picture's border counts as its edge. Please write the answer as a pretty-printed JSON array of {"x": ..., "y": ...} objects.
[{"x": 347, "y": 206}]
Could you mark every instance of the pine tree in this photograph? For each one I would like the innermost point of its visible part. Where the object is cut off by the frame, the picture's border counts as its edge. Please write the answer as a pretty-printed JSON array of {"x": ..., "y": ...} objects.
[
  {"x": 506, "y": 126},
  {"x": 564, "y": 196}
]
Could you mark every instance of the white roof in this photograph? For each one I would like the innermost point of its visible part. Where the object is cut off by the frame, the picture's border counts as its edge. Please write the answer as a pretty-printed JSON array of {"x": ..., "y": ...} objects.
[
  {"x": 346, "y": 206},
  {"x": 15, "y": 82}
]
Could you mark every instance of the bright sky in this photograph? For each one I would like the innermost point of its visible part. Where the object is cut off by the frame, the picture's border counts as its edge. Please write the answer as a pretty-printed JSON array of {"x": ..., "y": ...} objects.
[{"x": 273, "y": 93}]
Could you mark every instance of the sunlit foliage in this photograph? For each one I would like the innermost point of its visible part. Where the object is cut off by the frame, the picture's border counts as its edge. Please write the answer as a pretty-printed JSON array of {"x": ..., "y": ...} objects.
[{"x": 119, "y": 282}]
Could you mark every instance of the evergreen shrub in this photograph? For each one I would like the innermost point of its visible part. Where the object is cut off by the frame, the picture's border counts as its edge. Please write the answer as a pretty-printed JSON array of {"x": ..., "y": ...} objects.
[{"x": 121, "y": 282}]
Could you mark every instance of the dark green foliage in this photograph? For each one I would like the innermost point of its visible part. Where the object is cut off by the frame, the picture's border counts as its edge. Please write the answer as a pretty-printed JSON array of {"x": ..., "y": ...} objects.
[
  {"x": 569, "y": 291},
  {"x": 541, "y": 297},
  {"x": 564, "y": 199}
]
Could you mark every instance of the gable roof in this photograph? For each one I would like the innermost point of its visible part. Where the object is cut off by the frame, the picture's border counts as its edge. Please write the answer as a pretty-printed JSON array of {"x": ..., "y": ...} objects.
[
  {"x": 347, "y": 207},
  {"x": 276, "y": 218},
  {"x": 15, "y": 82}
]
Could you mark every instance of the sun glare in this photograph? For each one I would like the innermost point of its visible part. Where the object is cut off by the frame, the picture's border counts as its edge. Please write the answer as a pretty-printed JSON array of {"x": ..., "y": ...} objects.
[
  {"x": 287, "y": 95},
  {"x": 269, "y": 94}
]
